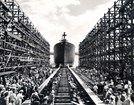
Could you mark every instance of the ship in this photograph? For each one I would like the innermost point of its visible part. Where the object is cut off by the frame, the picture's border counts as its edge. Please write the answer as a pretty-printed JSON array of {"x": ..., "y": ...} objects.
[{"x": 64, "y": 53}]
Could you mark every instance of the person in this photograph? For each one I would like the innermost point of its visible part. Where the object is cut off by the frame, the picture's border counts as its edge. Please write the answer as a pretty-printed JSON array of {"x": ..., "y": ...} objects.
[
  {"x": 122, "y": 99},
  {"x": 95, "y": 88},
  {"x": 12, "y": 97},
  {"x": 129, "y": 101},
  {"x": 45, "y": 100},
  {"x": 19, "y": 97},
  {"x": 129, "y": 91},
  {"x": 112, "y": 99},
  {"x": 1, "y": 90},
  {"x": 6, "y": 97},
  {"x": 35, "y": 99},
  {"x": 2, "y": 100}
]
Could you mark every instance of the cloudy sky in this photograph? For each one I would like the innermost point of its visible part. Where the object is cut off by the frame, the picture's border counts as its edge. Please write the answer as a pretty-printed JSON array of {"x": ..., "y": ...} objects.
[{"x": 75, "y": 17}]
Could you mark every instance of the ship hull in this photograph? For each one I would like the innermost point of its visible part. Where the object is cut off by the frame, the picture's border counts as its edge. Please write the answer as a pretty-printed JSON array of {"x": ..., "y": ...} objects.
[{"x": 64, "y": 53}]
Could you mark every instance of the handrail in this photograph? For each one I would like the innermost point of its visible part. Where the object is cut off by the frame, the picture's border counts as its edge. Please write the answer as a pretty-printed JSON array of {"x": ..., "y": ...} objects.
[
  {"x": 41, "y": 87},
  {"x": 90, "y": 93}
]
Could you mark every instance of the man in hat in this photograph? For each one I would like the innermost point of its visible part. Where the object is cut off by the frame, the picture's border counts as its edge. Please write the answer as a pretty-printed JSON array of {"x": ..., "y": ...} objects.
[{"x": 129, "y": 101}]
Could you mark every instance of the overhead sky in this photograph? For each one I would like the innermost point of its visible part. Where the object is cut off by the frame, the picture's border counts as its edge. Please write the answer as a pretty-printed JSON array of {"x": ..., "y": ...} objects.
[{"x": 75, "y": 17}]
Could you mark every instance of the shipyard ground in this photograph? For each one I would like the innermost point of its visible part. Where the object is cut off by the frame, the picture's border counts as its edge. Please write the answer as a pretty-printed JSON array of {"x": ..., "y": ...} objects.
[{"x": 68, "y": 89}]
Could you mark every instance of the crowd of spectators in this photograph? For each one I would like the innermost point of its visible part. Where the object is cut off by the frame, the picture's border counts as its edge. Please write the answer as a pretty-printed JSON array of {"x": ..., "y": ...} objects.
[
  {"x": 111, "y": 89},
  {"x": 20, "y": 86}
]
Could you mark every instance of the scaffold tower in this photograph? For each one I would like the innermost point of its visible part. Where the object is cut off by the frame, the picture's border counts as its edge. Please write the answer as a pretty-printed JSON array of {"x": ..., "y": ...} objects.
[
  {"x": 22, "y": 47},
  {"x": 109, "y": 46}
]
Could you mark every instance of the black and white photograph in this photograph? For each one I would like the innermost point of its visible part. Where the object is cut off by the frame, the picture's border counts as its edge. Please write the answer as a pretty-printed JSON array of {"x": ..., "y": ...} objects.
[{"x": 66, "y": 52}]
